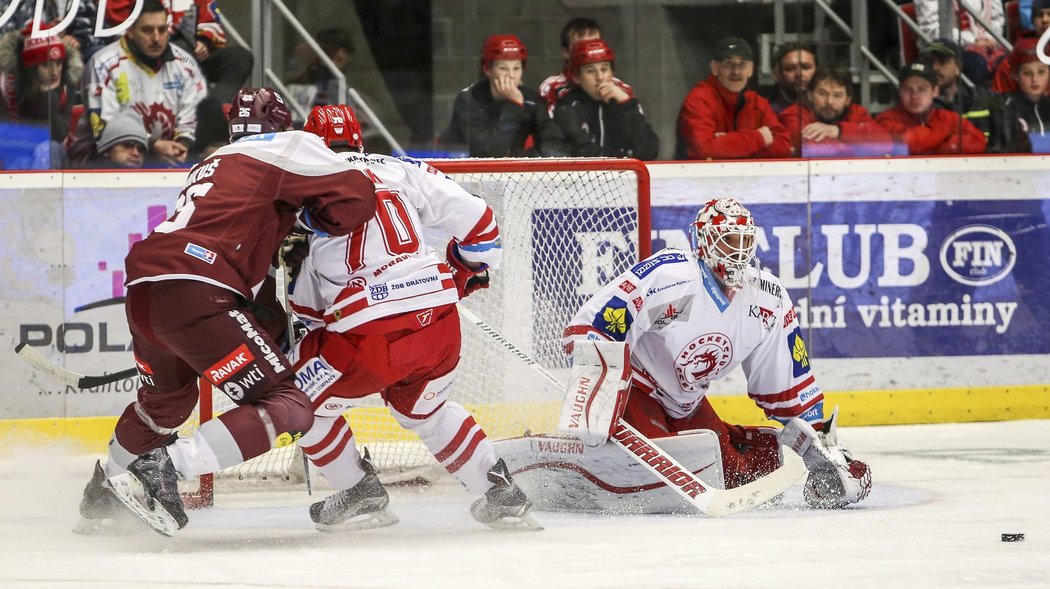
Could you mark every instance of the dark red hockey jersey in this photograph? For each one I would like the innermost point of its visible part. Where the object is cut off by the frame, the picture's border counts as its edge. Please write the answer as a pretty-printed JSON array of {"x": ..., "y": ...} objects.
[{"x": 241, "y": 202}]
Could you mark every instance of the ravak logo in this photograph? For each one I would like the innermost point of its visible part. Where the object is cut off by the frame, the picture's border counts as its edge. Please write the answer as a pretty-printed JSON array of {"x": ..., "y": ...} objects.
[{"x": 978, "y": 255}]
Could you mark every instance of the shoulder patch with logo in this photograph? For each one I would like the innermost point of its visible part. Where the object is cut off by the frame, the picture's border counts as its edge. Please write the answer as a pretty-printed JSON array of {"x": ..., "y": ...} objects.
[
  {"x": 614, "y": 319},
  {"x": 799, "y": 353},
  {"x": 643, "y": 268}
]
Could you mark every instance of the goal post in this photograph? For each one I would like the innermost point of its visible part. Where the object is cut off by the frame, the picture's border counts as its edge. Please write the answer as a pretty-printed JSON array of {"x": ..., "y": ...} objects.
[{"x": 567, "y": 228}]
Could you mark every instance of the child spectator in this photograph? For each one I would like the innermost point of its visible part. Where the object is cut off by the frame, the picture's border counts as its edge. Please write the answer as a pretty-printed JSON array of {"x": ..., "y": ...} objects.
[
  {"x": 38, "y": 83},
  {"x": 579, "y": 28},
  {"x": 720, "y": 118},
  {"x": 1004, "y": 81},
  {"x": 831, "y": 125},
  {"x": 793, "y": 67},
  {"x": 123, "y": 142},
  {"x": 498, "y": 116},
  {"x": 919, "y": 127},
  {"x": 1029, "y": 104},
  {"x": 596, "y": 115}
]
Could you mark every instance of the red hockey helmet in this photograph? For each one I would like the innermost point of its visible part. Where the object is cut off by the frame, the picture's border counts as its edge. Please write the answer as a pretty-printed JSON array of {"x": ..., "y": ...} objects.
[
  {"x": 590, "y": 51},
  {"x": 499, "y": 47},
  {"x": 258, "y": 110},
  {"x": 337, "y": 125},
  {"x": 724, "y": 238}
]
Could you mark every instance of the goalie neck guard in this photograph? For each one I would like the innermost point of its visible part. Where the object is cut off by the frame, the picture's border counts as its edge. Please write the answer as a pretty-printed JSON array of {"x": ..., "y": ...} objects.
[{"x": 723, "y": 237}]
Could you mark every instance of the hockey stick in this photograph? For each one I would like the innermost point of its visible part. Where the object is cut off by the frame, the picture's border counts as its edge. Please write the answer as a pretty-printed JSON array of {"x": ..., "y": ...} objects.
[
  {"x": 40, "y": 362},
  {"x": 287, "y": 278},
  {"x": 706, "y": 499}
]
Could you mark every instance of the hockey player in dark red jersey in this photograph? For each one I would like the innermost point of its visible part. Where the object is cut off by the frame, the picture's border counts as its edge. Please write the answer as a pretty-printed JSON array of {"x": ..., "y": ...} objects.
[{"x": 199, "y": 292}]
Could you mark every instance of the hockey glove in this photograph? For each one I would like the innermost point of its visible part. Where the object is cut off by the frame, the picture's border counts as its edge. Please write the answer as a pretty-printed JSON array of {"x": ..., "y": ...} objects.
[
  {"x": 467, "y": 279},
  {"x": 835, "y": 478},
  {"x": 294, "y": 250}
]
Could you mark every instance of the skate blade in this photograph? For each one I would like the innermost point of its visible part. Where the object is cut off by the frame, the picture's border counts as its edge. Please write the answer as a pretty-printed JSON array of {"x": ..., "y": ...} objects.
[
  {"x": 122, "y": 524},
  {"x": 526, "y": 523},
  {"x": 129, "y": 491},
  {"x": 365, "y": 521}
]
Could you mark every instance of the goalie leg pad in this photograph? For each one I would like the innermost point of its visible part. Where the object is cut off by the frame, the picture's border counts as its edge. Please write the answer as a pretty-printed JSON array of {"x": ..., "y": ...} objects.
[
  {"x": 835, "y": 478},
  {"x": 596, "y": 394}
]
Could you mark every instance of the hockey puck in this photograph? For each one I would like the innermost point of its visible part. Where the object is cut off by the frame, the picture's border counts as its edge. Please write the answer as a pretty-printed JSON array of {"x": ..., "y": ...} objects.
[{"x": 1013, "y": 537}]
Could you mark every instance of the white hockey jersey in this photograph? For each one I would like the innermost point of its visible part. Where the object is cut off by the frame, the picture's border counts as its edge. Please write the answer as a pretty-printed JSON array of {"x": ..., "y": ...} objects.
[
  {"x": 166, "y": 100},
  {"x": 385, "y": 267},
  {"x": 684, "y": 333}
]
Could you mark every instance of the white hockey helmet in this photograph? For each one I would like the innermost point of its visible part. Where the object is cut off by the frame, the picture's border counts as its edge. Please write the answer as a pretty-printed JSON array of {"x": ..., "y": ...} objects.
[{"x": 723, "y": 237}]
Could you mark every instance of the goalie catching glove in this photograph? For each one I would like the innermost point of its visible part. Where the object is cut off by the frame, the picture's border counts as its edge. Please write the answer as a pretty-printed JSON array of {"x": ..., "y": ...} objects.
[
  {"x": 467, "y": 279},
  {"x": 835, "y": 478}
]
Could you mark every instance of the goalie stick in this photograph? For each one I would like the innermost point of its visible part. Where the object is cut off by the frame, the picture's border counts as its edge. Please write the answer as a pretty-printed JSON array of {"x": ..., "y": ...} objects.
[
  {"x": 707, "y": 500},
  {"x": 37, "y": 360}
]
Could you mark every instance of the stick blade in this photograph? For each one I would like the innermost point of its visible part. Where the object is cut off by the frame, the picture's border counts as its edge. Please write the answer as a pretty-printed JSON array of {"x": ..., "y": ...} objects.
[
  {"x": 31, "y": 356},
  {"x": 755, "y": 493}
]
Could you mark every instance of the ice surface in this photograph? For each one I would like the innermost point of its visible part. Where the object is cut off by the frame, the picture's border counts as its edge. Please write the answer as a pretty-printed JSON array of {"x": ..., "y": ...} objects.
[{"x": 943, "y": 495}]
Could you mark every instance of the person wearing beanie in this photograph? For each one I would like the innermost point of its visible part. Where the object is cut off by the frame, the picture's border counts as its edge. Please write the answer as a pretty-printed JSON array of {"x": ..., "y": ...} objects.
[
  {"x": 38, "y": 80},
  {"x": 499, "y": 116},
  {"x": 976, "y": 104},
  {"x": 721, "y": 119},
  {"x": 920, "y": 128},
  {"x": 1004, "y": 82},
  {"x": 1029, "y": 104},
  {"x": 123, "y": 142}
]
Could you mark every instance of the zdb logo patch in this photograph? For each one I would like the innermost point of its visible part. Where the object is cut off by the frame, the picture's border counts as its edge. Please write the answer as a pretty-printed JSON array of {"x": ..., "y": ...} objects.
[{"x": 978, "y": 255}]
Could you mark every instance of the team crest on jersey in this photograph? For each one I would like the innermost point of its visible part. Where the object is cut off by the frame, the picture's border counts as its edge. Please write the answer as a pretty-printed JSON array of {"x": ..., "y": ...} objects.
[
  {"x": 378, "y": 292},
  {"x": 799, "y": 353},
  {"x": 201, "y": 253},
  {"x": 703, "y": 360},
  {"x": 614, "y": 319}
]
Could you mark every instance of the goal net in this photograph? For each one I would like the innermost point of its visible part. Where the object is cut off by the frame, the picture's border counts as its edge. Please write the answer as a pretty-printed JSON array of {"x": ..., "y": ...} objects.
[{"x": 567, "y": 227}]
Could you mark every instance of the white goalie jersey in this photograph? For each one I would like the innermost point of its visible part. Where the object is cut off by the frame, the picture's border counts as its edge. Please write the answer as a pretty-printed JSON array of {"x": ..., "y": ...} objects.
[
  {"x": 385, "y": 267},
  {"x": 684, "y": 333}
]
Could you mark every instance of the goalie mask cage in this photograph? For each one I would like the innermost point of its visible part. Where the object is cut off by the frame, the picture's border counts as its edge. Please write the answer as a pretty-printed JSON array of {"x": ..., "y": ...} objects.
[{"x": 568, "y": 227}]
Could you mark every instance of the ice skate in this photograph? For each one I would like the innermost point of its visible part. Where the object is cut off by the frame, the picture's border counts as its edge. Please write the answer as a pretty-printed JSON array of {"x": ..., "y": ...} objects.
[
  {"x": 100, "y": 510},
  {"x": 150, "y": 490},
  {"x": 359, "y": 508},
  {"x": 504, "y": 506}
]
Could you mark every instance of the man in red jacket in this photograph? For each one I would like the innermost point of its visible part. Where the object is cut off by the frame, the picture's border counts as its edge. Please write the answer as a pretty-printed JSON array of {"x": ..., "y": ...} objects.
[
  {"x": 830, "y": 125},
  {"x": 919, "y": 127},
  {"x": 721, "y": 119}
]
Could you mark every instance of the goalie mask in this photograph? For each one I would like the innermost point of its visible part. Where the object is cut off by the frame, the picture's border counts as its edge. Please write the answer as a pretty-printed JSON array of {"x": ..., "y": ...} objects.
[{"x": 723, "y": 237}]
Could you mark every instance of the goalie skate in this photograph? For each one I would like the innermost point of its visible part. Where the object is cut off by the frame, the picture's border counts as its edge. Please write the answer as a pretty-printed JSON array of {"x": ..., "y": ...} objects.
[
  {"x": 362, "y": 507},
  {"x": 150, "y": 490},
  {"x": 504, "y": 506}
]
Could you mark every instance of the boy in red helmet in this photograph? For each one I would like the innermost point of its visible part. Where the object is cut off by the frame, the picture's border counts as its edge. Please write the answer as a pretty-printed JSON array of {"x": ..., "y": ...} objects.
[
  {"x": 201, "y": 301},
  {"x": 498, "y": 116},
  {"x": 597, "y": 116}
]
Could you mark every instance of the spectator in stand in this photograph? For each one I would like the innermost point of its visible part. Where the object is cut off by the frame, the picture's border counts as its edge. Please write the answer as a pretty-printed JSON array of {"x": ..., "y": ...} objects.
[
  {"x": 981, "y": 52},
  {"x": 1029, "y": 104},
  {"x": 721, "y": 119},
  {"x": 1004, "y": 81},
  {"x": 38, "y": 84},
  {"x": 142, "y": 71},
  {"x": 79, "y": 33},
  {"x": 312, "y": 83},
  {"x": 123, "y": 142},
  {"x": 498, "y": 116},
  {"x": 793, "y": 67},
  {"x": 830, "y": 124},
  {"x": 977, "y": 105},
  {"x": 919, "y": 127},
  {"x": 579, "y": 28},
  {"x": 196, "y": 28},
  {"x": 596, "y": 115}
]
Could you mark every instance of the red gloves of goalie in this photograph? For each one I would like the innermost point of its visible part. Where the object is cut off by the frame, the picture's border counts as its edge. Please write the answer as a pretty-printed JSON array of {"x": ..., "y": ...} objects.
[{"x": 467, "y": 279}]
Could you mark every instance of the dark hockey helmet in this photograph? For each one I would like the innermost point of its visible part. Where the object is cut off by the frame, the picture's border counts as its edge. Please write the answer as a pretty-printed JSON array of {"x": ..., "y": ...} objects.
[
  {"x": 258, "y": 110},
  {"x": 724, "y": 237},
  {"x": 590, "y": 51},
  {"x": 499, "y": 47},
  {"x": 337, "y": 125}
]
